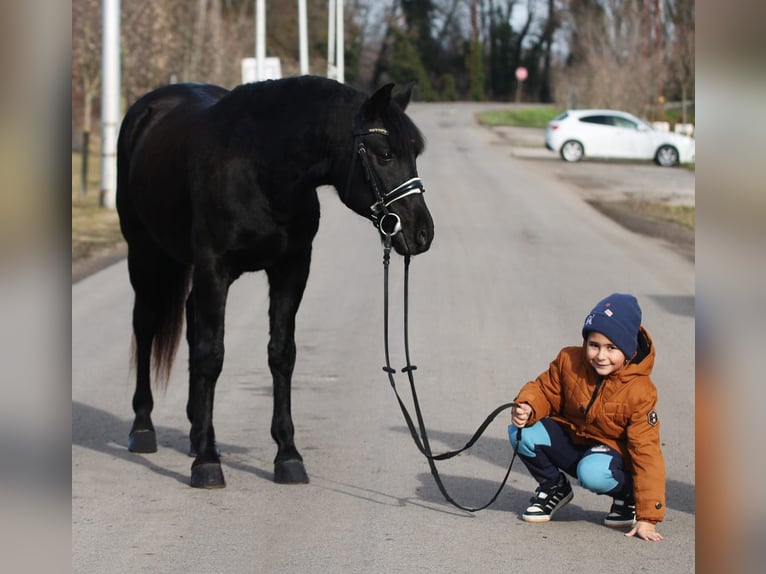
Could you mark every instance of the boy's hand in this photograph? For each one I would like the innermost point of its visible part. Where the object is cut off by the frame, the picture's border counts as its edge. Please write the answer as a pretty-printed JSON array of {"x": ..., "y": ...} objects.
[
  {"x": 520, "y": 414},
  {"x": 645, "y": 530}
]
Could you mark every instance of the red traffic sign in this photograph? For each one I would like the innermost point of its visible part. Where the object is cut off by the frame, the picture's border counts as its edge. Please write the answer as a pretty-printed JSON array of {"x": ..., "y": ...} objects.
[{"x": 521, "y": 73}]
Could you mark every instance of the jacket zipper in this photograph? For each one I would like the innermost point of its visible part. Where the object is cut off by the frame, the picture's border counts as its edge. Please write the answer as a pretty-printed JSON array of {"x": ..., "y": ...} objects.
[{"x": 593, "y": 397}]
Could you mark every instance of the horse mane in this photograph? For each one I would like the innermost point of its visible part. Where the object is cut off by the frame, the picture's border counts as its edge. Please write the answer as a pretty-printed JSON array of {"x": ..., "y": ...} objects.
[
  {"x": 405, "y": 137},
  {"x": 279, "y": 92}
]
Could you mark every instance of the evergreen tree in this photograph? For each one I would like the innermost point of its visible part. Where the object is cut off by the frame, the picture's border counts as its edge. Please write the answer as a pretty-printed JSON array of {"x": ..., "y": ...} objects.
[{"x": 406, "y": 66}]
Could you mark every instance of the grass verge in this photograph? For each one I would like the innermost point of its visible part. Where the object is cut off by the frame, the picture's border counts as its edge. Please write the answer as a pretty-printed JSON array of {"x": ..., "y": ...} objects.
[
  {"x": 681, "y": 214},
  {"x": 535, "y": 117},
  {"x": 94, "y": 229}
]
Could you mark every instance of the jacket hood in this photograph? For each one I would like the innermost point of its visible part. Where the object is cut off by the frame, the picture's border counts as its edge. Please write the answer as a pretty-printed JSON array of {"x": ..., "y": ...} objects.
[{"x": 643, "y": 363}]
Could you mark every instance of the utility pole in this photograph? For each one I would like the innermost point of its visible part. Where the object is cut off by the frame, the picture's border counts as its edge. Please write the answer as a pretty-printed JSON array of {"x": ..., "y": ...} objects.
[
  {"x": 260, "y": 40},
  {"x": 303, "y": 37},
  {"x": 110, "y": 101},
  {"x": 335, "y": 41},
  {"x": 331, "y": 40},
  {"x": 340, "y": 42}
]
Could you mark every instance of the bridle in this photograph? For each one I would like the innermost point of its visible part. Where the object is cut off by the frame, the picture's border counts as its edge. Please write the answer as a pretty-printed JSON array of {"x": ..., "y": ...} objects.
[{"x": 387, "y": 222}]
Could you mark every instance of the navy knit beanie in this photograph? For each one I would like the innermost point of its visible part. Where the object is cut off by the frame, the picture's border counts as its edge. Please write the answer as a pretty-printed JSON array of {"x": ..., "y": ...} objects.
[{"x": 618, "y": 317}]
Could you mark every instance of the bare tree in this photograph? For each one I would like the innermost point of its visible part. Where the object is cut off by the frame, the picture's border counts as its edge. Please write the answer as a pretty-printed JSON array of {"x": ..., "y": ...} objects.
[
  {"x": 390, "y": 18},
  {"x": 552, "y": 22},
  {"x": 681, "y": 57},
  {"x": 86, "y": 71},
  {"x": 613, "y": 55},
  {"x": 165, "y": 42}
]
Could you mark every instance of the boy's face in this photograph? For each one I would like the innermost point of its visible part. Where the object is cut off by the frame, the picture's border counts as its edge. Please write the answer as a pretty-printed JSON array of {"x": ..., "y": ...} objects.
[{"x": 602, "y": 354}]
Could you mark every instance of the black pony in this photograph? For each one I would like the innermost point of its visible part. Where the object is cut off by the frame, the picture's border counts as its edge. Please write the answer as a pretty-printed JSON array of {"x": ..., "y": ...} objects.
[{"x": 213, "y": 183}]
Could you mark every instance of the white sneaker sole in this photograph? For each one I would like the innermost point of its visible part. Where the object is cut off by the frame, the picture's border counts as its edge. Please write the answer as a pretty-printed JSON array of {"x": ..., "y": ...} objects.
[
  {"x": 547, "y": 517},
  {"x": 619, "y": 524}
]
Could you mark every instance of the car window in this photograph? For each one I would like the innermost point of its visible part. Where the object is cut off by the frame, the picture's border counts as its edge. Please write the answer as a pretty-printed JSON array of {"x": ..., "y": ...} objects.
[
  {"x": 621, "y": 122},
  {"x": 560, "y": 117},
  {"x": 598, "y": 119}
]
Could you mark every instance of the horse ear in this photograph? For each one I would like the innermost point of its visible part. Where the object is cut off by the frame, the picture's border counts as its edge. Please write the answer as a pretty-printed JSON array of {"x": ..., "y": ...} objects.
[
  {"x": 377, "y": 102},
  {"x": 402, "y": 99}
]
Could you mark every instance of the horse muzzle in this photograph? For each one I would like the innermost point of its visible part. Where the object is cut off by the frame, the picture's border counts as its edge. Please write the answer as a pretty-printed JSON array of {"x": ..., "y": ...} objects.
[
  {"x": 410, "y": 227},
  {"x": 410, "y": 230}
]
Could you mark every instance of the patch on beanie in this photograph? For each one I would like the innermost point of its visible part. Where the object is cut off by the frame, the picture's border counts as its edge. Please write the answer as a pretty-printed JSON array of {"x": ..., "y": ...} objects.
[
  {"x": 653, "y": 418},
  {"x": 608, "y": 312}
]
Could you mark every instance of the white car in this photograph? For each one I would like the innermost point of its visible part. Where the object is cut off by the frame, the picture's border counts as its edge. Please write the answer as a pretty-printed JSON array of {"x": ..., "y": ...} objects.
[{"x": 613, "y": 134}]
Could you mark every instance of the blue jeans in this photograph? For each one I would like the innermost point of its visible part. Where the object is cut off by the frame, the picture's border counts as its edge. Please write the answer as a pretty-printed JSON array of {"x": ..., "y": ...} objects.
[{"x": 546, "y": 449}]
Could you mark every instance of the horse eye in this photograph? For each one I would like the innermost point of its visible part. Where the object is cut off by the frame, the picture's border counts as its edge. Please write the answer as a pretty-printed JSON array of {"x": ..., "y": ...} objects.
[{"x": 386, "y": 156}]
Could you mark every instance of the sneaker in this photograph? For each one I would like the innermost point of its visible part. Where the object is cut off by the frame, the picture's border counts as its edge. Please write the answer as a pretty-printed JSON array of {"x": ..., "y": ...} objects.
[
  {"x": 622, "y": 513},
  {"x": 546, "y": 502}
]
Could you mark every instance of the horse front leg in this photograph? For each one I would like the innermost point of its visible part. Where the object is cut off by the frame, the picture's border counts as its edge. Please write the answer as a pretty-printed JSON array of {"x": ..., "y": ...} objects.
[
  {"x": 190, "y": 344},
  {"x": 287, "y": 282},
  {"x": 208, "y": 308}
]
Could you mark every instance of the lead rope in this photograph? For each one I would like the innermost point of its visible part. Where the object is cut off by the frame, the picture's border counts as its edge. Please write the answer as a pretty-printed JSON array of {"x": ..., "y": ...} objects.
[{"x": 422, "y": 441}]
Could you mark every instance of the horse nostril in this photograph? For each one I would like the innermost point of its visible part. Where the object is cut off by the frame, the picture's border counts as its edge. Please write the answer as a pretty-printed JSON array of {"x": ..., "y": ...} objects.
[{"x": 422, "y": 237}]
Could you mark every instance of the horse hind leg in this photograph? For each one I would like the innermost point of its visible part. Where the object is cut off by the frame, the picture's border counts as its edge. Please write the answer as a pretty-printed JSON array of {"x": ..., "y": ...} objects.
[
  {"x": 142, "y": 437},
  {"x": 160, "y": 286}
]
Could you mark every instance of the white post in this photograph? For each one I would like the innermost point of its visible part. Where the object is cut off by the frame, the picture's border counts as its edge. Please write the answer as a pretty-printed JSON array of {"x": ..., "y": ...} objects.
[
  {"x": 110, "y": 101},
  {"x": 331, "y": 39},
  {"x": 260, "y": 40},
  {"x": 340, "y": 40},
  {"x": 304, "y": 39}
]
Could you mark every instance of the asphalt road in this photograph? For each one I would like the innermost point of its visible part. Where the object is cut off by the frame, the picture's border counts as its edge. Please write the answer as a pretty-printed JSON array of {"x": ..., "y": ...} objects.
[{"x": 518, "y": 259}]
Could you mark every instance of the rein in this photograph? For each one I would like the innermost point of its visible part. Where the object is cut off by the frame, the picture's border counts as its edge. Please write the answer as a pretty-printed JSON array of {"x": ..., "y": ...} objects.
[
  {"x": 389, "y": 224},
  {"x": 421, "y": 439}
]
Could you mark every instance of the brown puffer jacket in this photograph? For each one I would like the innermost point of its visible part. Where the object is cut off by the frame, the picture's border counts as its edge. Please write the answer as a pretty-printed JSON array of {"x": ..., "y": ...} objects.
[{"x": 620, "y": 413}]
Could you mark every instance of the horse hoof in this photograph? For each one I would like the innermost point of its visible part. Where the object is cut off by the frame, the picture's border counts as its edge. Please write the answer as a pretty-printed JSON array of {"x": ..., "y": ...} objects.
[
  {"x": 142, "y": 441},
  {"x": 207, "y": 475},
  {"x": 290, "y": 472}
]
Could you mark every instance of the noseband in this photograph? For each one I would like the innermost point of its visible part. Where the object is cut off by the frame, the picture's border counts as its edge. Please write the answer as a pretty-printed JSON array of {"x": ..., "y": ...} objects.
[{"x": 387, "y": 222}]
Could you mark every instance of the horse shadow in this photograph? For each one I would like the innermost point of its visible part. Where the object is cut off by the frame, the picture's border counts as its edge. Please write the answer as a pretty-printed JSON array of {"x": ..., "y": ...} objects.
[
  {"x": 103, "y": 432},
  {"x": 473, "y": 491}
]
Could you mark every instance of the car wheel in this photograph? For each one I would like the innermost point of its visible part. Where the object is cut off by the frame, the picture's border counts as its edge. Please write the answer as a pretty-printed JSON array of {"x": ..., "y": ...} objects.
[
  {"x": 572, "y": 151},
  {"x": 667, "y": 156}
]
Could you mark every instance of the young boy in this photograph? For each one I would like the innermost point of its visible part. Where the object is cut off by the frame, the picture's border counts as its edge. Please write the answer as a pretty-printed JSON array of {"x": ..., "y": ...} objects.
[{"x": 592, "y": 415}]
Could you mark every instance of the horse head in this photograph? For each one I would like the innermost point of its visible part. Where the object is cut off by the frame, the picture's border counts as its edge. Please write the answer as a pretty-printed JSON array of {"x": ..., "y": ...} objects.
[{"x": 383, "y": 183}]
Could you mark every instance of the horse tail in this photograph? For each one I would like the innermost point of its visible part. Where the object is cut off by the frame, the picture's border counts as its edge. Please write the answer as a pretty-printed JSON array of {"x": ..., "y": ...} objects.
[
  {"x": 161, "y": 288},
  {"x": 161, "y": 283},
  {"x": 171, "y": 303}
]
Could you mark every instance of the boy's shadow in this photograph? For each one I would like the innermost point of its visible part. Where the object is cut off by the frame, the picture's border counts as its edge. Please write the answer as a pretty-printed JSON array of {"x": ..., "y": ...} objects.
[{"x": 473, "y": 492}]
